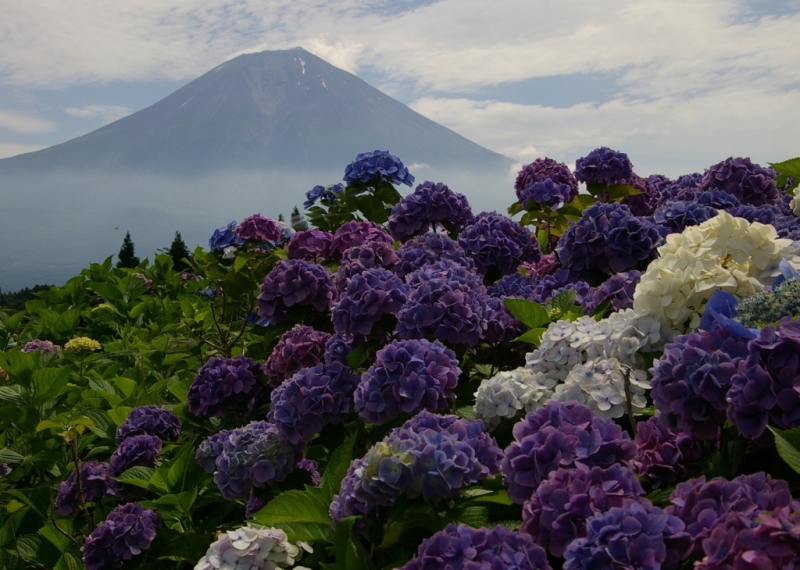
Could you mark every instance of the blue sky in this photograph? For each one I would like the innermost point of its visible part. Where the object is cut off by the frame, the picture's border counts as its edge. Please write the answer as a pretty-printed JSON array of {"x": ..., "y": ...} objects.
[{"x": 678, "y": 85}]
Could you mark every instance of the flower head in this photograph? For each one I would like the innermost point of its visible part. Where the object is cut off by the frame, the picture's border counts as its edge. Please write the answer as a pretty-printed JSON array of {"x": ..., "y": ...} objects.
[
  {"x": 251, "y": 548},
  {"x": 359, "y": 258},
  {"x": 665, "y": 456},
  {"x": 43, "y": 346},
  {"x": 135, "y": 451},
  {"x": 300, "y": 347},
  {"x": 748, "y": 182},
  {"x": 429, "y": 248},
  {"x": 604, "y": 166},
  {"x": 223, "y": 237},
  {"x": 311, "y": 245},
  {"x": 295, "y": 282},
  {"x": 430, "y": 205},
  {"x": 224, "y": 385},
  {"x": 150, "y": 420},
  {"x": 95, "y": 484},
  {"x": 545, "y": 182},
  {"x": 127, "y": 531},
  {"x": 82, "y": 344},
  {"x": 496, "y": 242},
  {"x": 511, "y": 393},
  {"x": 365, "y": 300},
  {"x": 353, "y": 233},
  {"x": 258, "y": 228},
  {"x": 372, "y": 167}
]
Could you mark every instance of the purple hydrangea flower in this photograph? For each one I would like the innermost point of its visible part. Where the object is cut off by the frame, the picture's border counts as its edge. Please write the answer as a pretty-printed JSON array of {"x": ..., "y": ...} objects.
[
  {"x": 429, "y": 248},
  {"x": 311, "y": 245},
  {"x": 749, "y": 183},
  {"x": 430, "y": 205},
  {"x": 692, "y": 378},
  {"x": 5, "y": 470},
  {"x": 766, "y": 388},
  {"x": 545, "y": 182},
  {"x": 460, "y": 547},
  {"x": 95, "y": 484},
  {"x": 241, "y": 459},
  {"x": 717, "y": 199},
  {"x": 617, "y": 290},
  {"x": 608, "y": 239},
  {"x": 127, "y": 531},
  {"x": 371, "y": 167},
  {"x": 366, "y": 299},
  {"x": 498, "y": 243},
  {"x": 430, "y": 456},
  {"x": 665, "y": 456},
  {"x": 254, "y": 504},
  {"x": 604, "y": 166},
  {"x": 353, "y": 233},
  {"x": 311, "y": 399},
  {"x": 258, "y": 228},
  {"x": 312, "y": 467},
  {"x": 644, "y": 203},
  {"x": 224, "y": 385},
  {"x": 559, "y": 281},
  {"x": 295, "y": 282},
  {"x": 501, "y": 326},
  {"x": 300, "y": 347},
  {"x": 702, "y": 505},
  {"x": 548, "y": 264},
  {"x": 136, "y": 451},
  {"x": 514, "y": 285},
  {"x": 679, "y": 215},
  {"x": 337, "y": 349},
  {"x": 150, "y": 420},
  {"x": 408, "y": 376},
  {"x": 636, "y": 535},
  {"x": 659, "y": 182},
  {"x": 43, "y": 346},
  {"x": 561, "y": 434},
  {"x": 556, "y": 513},
  {"x": 223, "y": 237},
  {"x": 370, "y": 255}
]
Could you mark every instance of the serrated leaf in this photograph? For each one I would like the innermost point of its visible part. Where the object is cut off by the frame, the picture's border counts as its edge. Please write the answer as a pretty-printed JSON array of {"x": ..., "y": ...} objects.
[
  {"x": 127, "y": 386},
  {"x": 10, "y": 456},
  {"x": 337, "y": 468},
  {"x": 473, "y": 515},
  {"x": 68, "y": 562},
  {"x": 301, "y": 514},
  {"x": 786, "y": 169},
  {"x": 359, "y": 355},
  {"x": 499, "y": 496},
  {"x": 119, "y": 414},
  {"x": 14, "y": 394},
  {"x": 533, "y": 336},
  {"x": 180, "y": 389},
  {"x": 54, "y": 536},
  {"x": 529, "y": 313},
  {"x": 50, "y": 383},
  {"x": 49, "y": 424},
  {"x": 350, "y": 553},
  {"x": 788, "y": 444},
  {"x": 466, "y": 412},
  {"x": 562, "y": 302},
  {"x": 582, "y": 201}
]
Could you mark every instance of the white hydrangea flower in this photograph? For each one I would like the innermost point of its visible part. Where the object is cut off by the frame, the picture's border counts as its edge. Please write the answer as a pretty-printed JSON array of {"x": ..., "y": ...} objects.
[
  {"x": 511, "y": 393},
  {"x": 562, "y": 346},
  {"x": 600, "y": 385},
  {"x": 251, "y": 548},
  {"x": 229, "y": 252},
  {"x": 795, "y": 204}
]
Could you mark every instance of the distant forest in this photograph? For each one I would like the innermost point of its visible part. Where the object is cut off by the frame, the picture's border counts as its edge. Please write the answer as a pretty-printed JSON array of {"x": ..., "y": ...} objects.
[{"x": 16, "y": 300}]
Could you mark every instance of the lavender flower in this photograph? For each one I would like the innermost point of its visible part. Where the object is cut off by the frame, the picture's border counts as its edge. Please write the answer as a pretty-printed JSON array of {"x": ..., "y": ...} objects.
[
  {"x": 429, "y": 248},
  {"x": 367, "y": 298},
  {"x": 300, "y": 347},
  {"x": 370, "y": 255},
  {"x": 311, "y": 245},
  {"x": 43, "y": 346},
  {"x": 430, "y": 205},
  {"x": 224, "y": 385},
  {"x": 665, "y": 456},
  {"x": 311, "y": 467},
  {"x": 150, "y": 420},
  {"x": 556, "y": 514},
  {"x": 138, "y": 450},
  {"x": 604, "y": 166},
  {"x": 311, "y": 399},
  {"x": 749, "y": 183},
  {"x": 258, "y": 228},
  {"x": 498, "y": 243},
  {"x": 353, "y": 233},
  {"x": 408, "y": 376},
  {"x": 371, "y": 167},
  {"x": 460, "y": 546},
  {"x": 127, "y": 531},
  {"x": 295, "y": 282},
  {"x": 560, "y": 434},
  {"x": 211, "y": 448},
  {"x": 95, "y": 484}
]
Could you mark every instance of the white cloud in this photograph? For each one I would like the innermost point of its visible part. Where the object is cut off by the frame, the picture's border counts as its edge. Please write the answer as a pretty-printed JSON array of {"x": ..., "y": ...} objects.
[
  {"x": 9, "y": 149},
  {"x": 107, "y": 113},
  {"x": 23, "y": 123}
]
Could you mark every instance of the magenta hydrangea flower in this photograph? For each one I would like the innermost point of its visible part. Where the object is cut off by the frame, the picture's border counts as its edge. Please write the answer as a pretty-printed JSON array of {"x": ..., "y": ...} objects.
[
  {"x": 353, "y": 233},
  {"x": 311, "y": 245},
  {"x": 604, "y": 166},
  {"x": 430, "y": 206},
  {"x": 43, "y": 346},
  {"x": 96, "y": 483},
  {"x": 295, "y": 283},
  {"x": 371, "y": 167},
  {"x": 258, "y": 228},
  {"x": 150, "y": 420},
  {"x": 127, "y": 532},
  {"x": 545, "y": 182},
  {"x": 460, "y": 547},
  {"x": 300, "y": 347},
  {"x": 561, "y": 434},
  {"x": 408, "y": 376},
  {"x": 225, "y": 385},
  {"x": 368, "y": 298},
  {"x": 750, "y": 183},
  {"x": 498, "y": 243}
]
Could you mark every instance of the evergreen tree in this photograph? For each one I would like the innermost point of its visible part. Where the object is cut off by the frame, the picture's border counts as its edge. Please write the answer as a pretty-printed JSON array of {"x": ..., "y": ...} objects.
[
  {"x": 280, "y": 218},
  {"x": 178, "y": 252},
  {"x": 127, "y": 256},
  {"x": 298, "y": 222}
]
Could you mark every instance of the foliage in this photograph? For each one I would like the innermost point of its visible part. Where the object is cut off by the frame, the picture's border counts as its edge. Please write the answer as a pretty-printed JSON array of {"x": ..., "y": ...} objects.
[{"x": 127, "y": 256}]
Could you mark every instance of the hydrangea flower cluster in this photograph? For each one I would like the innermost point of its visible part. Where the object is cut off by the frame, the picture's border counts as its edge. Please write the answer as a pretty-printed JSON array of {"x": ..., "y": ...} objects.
[
  {"x": 370, "y": 167},
  {"x": 370, "y": 255},
  {"x": 429, "y": 456},
  {"x": 82, "y": 344},
  {"x": 644, "y": 203},
  {"x": 96, "y": 483},
  {"x": 311, "y": 245},
  {"x": 427, "y": 249},
  {"x": 749, "y": 183},
  {"x": 676, "y": 216},
  {"x": 365, "y": 300},
  {"x": 430, "y": 205},
  {"x": 337, "y": 349},
  {"x": 224, "y": 385},
  {"x": 255, "y": 455},
  {"x": 408, "y": 376},
  {"x": 127, "y": 531},
  {"x": 664, "y": 455},
  {"x": 604, "y": 166},
  {"x": 721, "y": 253},
  {"x": 461, "y": 546},
  {"x": 765, "y": 388},
  {"x": 311, "y": 399},
  {"x": 608, "y": 239},
  {"x": 43, "y": 346},
  {"x": 511, "y": 393},
  {"x": 692, "y": 378},
  {"x": 545, "y": 182},
  {"x": 295, "y": 282},
  {"x": 617, "y": 290},
  {"x": 561, "y": 434},
  {"x": 258, "y": 228},
  {"x": 601, "y": 385},
  {"x": 353, "y": 233},
  {"x": 224, "y": 237},
  {"x": 135, "y": 451},
  {"x": 325, "y": 194},
  {"x": 635, "y": 535},
  {"x": 498, "y": 243},
  {"x": 251, "y": 548},
  {"x": 556, "y": 513},
  {"x": 300, "y": 347},
  {"x": 150, "y": 420},
  {"x": 769, "y": 307}
]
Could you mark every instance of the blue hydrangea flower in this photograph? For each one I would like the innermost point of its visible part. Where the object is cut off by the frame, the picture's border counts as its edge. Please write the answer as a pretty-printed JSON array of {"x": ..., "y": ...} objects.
[
  {"x": 224, "y": 385},
  {"x": 325, "y": 194},
  {"x": 408, "y": 376},
  {"x": 678, "y": 215},
  {"x": 427, "y": 249},
  {"x": 138, "y": 450},
  {"x": 604, "y": 166},
  {"x": 371, "y": 167},
  {"x": 300, "y": 347},
  {"x": 95, "y": 484},
  {"x": 354, "y": 233},
  {"x": 366, "y": 299},
  {"x": 223, "y": 237},
  {"x": 311, "y": 399},
  {"x": 716, "y": 198},
  {"x": 311, "y": 245},
  {"x": 150, "y": 420},
  {"x": 430, "y": 205},
  {"x": 295, "y": 283},
  {"x": 127, "y": 532},
  {"x": 498, "y": 243},
  {"x": 750, "y": 183}
]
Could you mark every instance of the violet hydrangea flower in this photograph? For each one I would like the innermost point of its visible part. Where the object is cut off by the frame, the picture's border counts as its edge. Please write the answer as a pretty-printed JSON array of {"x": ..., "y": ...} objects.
[
  {"x": 545, "y": 182},
  {"x": 678, "y": 215},
  {"x": 353, "y": 233},
  {"x": 665, "y": 456},
  {"x": 748, "y": 182},
  {"x": 300, "y": 347},
  {"x": 366, "y": 299},
  {"x": 561, "y": 434},
  {"x": 295, "y": 283},
  {"x": 371, "y": 167},
  {"x": 325, "y": 194},
  {"x": 429, "y": 248},
  {"x": 644, "y": 203},
  {"x": 616, "y": 290},
  {"x": 408, "y": 376},
  {"x": 95, "y": 484},
  {"x": 311, "y": 245},
  {"x": 43, "y": 346},
  {"x": 430, "y": 205},
  {"x": 496, "y": 242},
  {"x": 127, "y": 531},
  {"x": 359, "y": 258},
  {"x": 258, "y": 228},
  {"x": 135, "y": 451},
  {"x": 604, "y": 166},
  {"x": 224, "y": 385},
  {"x": 150, "y": 420}
]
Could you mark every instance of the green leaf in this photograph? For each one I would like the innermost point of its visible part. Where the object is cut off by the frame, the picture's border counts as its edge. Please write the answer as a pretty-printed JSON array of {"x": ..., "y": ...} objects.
[
  {"x": 499, "y": 496},
  {"x": 9, "y": 456},
  {"x": 582, "y": 201},
  {"x": 350, "y": 553},
  {"x": 561, "y": 303},
  {"x": 53, "y": 535},
  {"x": 180, "y": 389},
  {"x": 303, "y": 515},
  {"x": 14, "y": 394},
  {"x": 137, "y": 476},
  {"x": 49, "y": 424},
  {"x": 533, "y": 336},
  {"x": 786, "y": 169},
  {"x": 359, "y": 355},
  {"x": 337, "y": 468},
  {"x": 184, "y": 473},
  {"x": 50, "y": 383},
  {"x": 473, "y": 515},
  {"x": 119, "y": 414},
  {"x": 527, "y": 312},
  {"x": 68, "y": 562},
  {"x": 788, "y": 444},
  {"x": 466, "y": 412},
  {"x": 127, "y": 386}
]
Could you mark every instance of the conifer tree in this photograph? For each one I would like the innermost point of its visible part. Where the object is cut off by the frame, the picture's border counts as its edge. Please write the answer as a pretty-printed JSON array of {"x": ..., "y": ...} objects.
[
  {"x": 298, "y": 222},
  {"x": 178, "y": 252},
  {"x": 280, "y": 218},
  {"x": 127, "y": 256}
]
